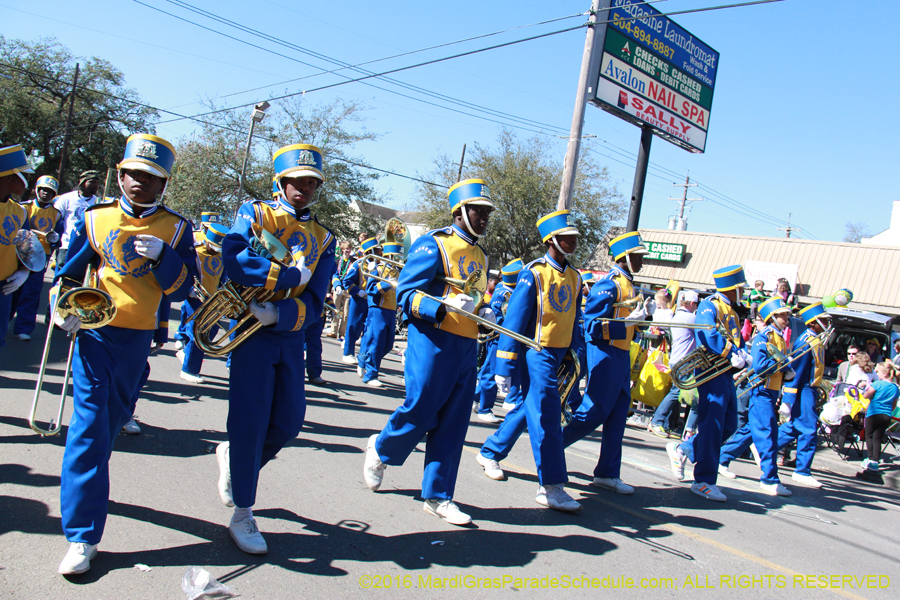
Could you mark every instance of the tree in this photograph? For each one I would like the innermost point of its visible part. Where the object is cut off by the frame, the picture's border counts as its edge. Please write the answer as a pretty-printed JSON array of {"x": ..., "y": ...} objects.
[
  {"x": 35, "y": 91},
  {"x": 208, "y": 164},
  {"x": 524, "y": 183},
  {"x": 855, "y": 231}
]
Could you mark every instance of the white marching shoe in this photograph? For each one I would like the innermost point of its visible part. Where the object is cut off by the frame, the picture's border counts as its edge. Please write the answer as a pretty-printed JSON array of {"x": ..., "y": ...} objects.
[
  {"x": 224, "y": 460},
  {"x": 247, "y": 536},
  {"x": 373, "y": 469},
  {"x": 491, "y": 467},
  {"x": 613, "y": 484},
  {"x": 348, "y": 359},
  {"x": 555, "y": 497},
  {"x": 447, "y": 510},
  {"x": 78, "y": 558}
]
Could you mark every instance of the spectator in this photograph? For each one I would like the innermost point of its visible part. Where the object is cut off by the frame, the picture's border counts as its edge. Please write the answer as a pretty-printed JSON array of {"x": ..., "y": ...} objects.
[
  {"x": 340, "y": 295},
  {"x": 873, "y": 349},
  {"x": 71, "y": 207},
  {"x": 757, "y": 296},
  {"x": 664, "y": 309},
  {"x": 896, "y": 359},
  {"x": 862, "y": 372},
  {"x": 882, "y": 395},
  {"x": 844, "y": 367},
  {"x": 784, "y": 292}
]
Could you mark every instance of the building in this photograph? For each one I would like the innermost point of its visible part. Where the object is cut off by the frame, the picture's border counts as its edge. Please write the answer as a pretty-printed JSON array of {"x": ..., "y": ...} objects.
[
  {"x": 814, "y": 269},
  {"x": 383, "y": 214},
  {"x": 891, "y": 235}
]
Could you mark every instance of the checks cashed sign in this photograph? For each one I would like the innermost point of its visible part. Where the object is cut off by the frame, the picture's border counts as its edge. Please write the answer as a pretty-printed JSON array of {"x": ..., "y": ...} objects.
[{"x": 664, "y": 252}]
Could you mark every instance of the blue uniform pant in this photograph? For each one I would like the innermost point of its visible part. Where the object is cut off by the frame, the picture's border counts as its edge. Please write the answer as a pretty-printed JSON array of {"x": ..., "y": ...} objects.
[
  {"x": 106, "y": 370},
  {"x": 716, "y": 421},
  {"x": 266, "y": 405},
  {"x": 764, "y": 429},
  {"x": 377, "y": 340},
  {"x": 440, "y": 381},
  {"x": 541, "y": 413},
  {"x": 181, "y": 334},
  {"x": 29, "y": 298},
  {"x": 606, "y": 402},
  {"x": 313, "y": 348},
  {"x": 801, "y": 427},
  {"x": 193, "y": 355},
  {"x": 5, "y": 307},
  {"x": 486, "y": 390},
  {"x": 356, "y": 322}
]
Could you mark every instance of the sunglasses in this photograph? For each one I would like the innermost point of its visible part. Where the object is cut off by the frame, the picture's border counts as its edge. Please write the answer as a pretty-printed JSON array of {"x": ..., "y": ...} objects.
[{"x": 852, "y": 353}]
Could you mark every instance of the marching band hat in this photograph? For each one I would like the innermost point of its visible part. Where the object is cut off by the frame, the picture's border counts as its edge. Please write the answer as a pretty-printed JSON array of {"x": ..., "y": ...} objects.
[
  {"x": 12, "y": 161},
  {"x": 728, "y": 278},
  {"x": 556, "y": 223},
  {"x": 587, "y": 278},
  {"x": 209, "y": 216},
  {"x": 771, "y": 307},
  {"x": 148, "y": 153},
  {"x": 627, "y": 243},
  {"x": 392, "y": 248},
  {"x": 510, "y": 273},
  {"x": 469, "y": 191},
  {"x": 299, "y": 160},
  {"x": 215, "y": 233},
  {"x": 368, "y": 244},
  {"x": 813, "y": 312},
  {"x": 47, "y": 181}
]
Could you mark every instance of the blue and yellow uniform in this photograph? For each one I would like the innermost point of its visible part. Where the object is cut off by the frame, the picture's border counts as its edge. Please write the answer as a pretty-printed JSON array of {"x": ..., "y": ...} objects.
[
  {"x": 354, "y": 282},
  {"x": 800, "y": 393},
  {"x": 13, "y": 217},
  {"x": 109, "y": 361},
  {"x": 210, "y": 269},
  {"x": 544, "y": 307},
  {"x": 266, "y": 400},
  {"x": 378, "y": 338},
  {"x": 717, "y": 399}
]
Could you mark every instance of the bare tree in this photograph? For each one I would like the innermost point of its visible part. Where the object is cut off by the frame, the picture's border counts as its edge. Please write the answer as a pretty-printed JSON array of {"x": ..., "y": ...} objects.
[{"x": 855, "y": 231}]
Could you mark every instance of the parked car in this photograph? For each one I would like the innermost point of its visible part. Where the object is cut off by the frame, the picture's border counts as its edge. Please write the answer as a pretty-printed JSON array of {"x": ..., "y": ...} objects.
[{"x": 855, "y": 327}]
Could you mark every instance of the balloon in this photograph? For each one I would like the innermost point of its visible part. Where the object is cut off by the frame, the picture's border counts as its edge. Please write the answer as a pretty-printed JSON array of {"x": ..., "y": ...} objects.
[
  {"x": 843, "y": 297},
  {"x": 828, "y": 302}
]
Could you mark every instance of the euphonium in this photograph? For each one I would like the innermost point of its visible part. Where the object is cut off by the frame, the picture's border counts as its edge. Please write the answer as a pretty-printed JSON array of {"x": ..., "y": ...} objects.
[
  {"x": 566, "y": 379},
  {"x": 710, "y": 367}
]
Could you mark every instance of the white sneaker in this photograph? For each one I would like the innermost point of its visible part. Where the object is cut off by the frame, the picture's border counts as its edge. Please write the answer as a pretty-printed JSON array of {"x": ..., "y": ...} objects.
[
  {"x": 555, "y": 497},
  {"x": 360, "y": 372},
  {"x": 807, "y": 480},
  {"x": 223, "y": 458},
  {"x": 755, "y": 454},
  {"x": 78, "y": 558},
  {"x": 677, "y": 460},
  {"x": 247, "y": 536},
  {"x": 774, "y": 489},
  {"x": 131, "y": 427},
  {"x": 317, "y": 381},
  {"x": 491, "y": 467},
  {"x": 614, "y": 485},
  {"x": 190, "y": 377},
  {"x": 708, "y": 491},
  {"x": 178, "y": 345},
  {"x": 447, "y": 510},
  {"x": 348, "y": 359},
  {"x": 488, "y": 417},
  {"x": 23, "y": 337},
  {"x": 724, "y": 472},
  {"x": 508, "y": 406},
  {"x": 180, "y": 356},
  {"x": 374, "y": 383},
  {"x": 373, "y": 469}
]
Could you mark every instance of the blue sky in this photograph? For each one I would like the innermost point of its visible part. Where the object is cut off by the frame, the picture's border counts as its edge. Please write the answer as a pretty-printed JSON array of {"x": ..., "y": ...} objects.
[{"x": 802, "y": 120}]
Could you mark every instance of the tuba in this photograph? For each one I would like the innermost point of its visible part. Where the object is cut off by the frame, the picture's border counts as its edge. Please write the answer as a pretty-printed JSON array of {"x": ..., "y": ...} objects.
[{"x": 566, "y": 379}]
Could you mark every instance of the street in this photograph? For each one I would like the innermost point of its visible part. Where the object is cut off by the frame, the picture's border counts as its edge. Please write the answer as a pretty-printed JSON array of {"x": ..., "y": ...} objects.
[{"x": 329, "y": 536}]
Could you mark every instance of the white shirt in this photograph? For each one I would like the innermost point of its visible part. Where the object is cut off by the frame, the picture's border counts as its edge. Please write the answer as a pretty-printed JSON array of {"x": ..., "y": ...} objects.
[
  {"x": 857, "y": 376},
  {"x": 71, "y": 207},
  {"x": 683, "y": 339}
]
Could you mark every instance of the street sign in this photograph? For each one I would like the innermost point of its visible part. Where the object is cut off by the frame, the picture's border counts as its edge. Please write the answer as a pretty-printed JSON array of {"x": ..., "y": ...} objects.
[{"x": 653, "y": 72}]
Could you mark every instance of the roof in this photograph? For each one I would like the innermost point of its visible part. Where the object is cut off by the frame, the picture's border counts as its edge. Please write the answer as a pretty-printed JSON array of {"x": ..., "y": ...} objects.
[
  {"x": 376, "y": 210},
  {"x": 871, "y": 272}
]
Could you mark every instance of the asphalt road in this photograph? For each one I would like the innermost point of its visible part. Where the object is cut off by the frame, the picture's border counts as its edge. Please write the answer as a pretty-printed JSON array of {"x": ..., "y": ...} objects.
[{"x": 329, "y": 536}]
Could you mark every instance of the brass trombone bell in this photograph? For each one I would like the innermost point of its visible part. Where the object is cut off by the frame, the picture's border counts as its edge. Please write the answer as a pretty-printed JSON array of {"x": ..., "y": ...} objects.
[{"x": 30, "y": 250}]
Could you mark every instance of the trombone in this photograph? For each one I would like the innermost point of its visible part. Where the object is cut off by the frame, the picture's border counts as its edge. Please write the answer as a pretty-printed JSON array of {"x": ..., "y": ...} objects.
[
  {"x": 566, "y": 379},
  {"x": 94, "y": 308},
  {"x": 754, "y": 379}
]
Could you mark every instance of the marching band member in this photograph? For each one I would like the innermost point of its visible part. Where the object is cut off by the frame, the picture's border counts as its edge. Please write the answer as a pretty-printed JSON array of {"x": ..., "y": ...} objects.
[
  {"x": 354, "y": 284},
  {"x": 717, "y": 402},
  {"x": 13, "y": 217},
  {"x": 210, "y": 269},
  {"x": 587, "y": 282},
  {"x": 440, "y": 356},
  {"x": 266, "y": 399},
  {"x": 339, "y": 294},
  {"x": 312, "y": 349},
  {"x": 762, "y": 427},
  {"x": 545, "y": 307},
  {"x": 182, "y": 334},
  {"x": 608, "y": 395},
  {"x": 378, "y": 338},
  {"x": 486, "y": 393},
  {"x": 44, "y": 218},
  {"x": 801, "y": 394},
  {"x": 144, "y": 252}
]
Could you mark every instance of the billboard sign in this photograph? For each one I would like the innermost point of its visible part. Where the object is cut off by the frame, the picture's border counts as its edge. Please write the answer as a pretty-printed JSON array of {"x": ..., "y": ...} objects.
[
  {"x": 664, "y": 252},
  {"x": 654, "y": 72}
]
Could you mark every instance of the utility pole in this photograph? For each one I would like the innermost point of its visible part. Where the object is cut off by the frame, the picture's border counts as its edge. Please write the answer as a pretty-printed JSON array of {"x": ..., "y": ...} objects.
[
  {"x": 680, "y": 224},
  {"x": 789, "y": 230},
  {"x": 462, "y": 159},
  {"x": 65, "y": 148}
]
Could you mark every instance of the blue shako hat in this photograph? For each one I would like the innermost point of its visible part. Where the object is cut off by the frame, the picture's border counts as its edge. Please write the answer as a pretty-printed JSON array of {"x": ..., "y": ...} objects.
[
  {"x": 392, "y": 248},
  {"x": 627, "y": 243},
  {"x": 275, "y": 190},
  {"x": 770, "y": 307},
  {"x": 813, "y": 312},
  {"x": 369, "y": 244},
  {"x": 215, "y": 233},
  {"x": 510, "y": 273},
  {"x": 298, "y": 160},
  {"x": 47, "y": 181},
  {"x": 556, "y": 223},
  {"x": 148, "y": 153},
  {"x": 587, "y": 278},
  {"x": 728, "y": 278},
  {"x": 209, "y": 216},
  {"x": 469, "y": 191},
  {"x": 12, "y": 160}
]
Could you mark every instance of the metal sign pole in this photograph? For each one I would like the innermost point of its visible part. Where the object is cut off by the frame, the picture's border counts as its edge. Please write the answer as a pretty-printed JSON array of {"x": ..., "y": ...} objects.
[{"x": 640, "y": 177}]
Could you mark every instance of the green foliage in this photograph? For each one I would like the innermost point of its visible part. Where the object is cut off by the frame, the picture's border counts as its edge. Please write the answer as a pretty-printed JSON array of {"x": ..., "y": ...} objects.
[
  {"x": 524, "y": 183},
  {"x": 34, "y": 102}
]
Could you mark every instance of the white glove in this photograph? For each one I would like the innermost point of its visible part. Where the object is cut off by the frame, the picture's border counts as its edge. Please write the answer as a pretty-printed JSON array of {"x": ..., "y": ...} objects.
[
  {"x": 737, "y": 360},
  {"x": 305, "y": 275},
  {"x": 748, "y": 359},
  {"x": 503, "y": 383},
  {"x": 361, "y": 294},
  {"x": 193, "y": 293},
  {"x": 789, "y": 374},
  {"x": 650, "y": 306},
  {"x": 785, "y": 409},
  {"x": 266, "y": 313},
  {"x": 485, "y": 312},
  {"x": 337, "y": 291},
  {"x": 461, "y": 303},
  {"x": 148, "y": 246},
  {"x": 70, "y": 324},
  {"x": 15, "y": 281},
  {"x": 637, "y": 315}
]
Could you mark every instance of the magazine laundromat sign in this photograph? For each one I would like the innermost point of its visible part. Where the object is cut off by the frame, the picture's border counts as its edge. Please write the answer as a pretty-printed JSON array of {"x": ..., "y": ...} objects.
[{"x": 664, "y": 252}]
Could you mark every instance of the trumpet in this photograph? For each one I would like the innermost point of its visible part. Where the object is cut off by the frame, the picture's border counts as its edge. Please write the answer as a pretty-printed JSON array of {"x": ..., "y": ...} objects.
[
  {"x": 566, "y": 379},
  {"x": 94, "y": 308}
]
